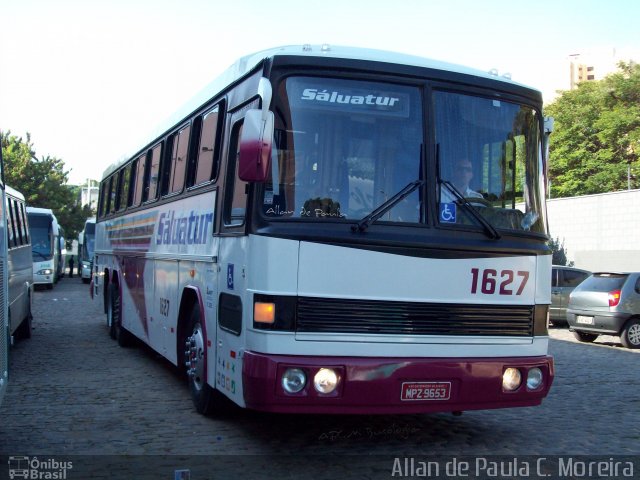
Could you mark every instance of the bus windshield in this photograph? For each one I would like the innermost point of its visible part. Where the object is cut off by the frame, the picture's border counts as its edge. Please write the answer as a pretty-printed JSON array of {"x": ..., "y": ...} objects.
[
  {"x": 89, "y": 240},
  {"x": 40, "y": 239},
  {"x": 345, "y": 147}
]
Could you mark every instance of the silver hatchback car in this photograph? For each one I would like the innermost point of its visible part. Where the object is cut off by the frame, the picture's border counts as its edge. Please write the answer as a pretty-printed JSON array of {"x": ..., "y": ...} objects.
[
  {"x": 563, "y": 281},
  {"x": 606, "y": 303}
]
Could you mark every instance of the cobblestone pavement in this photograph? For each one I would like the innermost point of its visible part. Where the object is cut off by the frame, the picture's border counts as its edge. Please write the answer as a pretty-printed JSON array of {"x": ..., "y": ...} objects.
[{"x": 73, "y": 391}]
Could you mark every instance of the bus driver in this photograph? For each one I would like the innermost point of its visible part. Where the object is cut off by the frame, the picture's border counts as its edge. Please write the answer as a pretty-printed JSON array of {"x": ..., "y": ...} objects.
[{"x": 462, "y": 175}]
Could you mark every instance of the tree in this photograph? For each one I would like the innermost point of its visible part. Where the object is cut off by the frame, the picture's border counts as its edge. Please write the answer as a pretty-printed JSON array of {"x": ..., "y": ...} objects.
[
  {"x": 596, "y": 141},
  {"x": 559, "y": 254},
  {"x": 43, "y": 182}
]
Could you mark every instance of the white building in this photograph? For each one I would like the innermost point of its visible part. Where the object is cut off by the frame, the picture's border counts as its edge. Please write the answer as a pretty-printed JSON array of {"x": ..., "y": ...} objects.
[
  {"x": 595, "y": 64},
  {"x": 600, "y": 232},
  {"x": 89, "y": 194}
]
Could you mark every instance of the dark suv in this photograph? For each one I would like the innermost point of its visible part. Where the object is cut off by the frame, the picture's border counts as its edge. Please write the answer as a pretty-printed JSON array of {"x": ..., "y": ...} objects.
[
  {"x": 563, "y": 281},
  {"x": 606, "y": 303}
]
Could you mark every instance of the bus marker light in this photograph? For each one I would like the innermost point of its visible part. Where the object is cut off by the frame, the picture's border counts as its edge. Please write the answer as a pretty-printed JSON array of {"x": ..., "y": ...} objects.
[
  {"x": 264, "y": 312},
  {"x": 325, "y": 380},
  {"x": 511, "y": 379},
  {"x": 293, "y": 380},
  {"x": 534, "y": 379}
]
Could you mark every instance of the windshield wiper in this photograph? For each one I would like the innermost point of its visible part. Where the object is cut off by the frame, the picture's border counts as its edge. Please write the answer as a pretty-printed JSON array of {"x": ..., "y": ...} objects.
[
  {"x": 489, "y": 229},
  {"x": 386, "y": 206}
]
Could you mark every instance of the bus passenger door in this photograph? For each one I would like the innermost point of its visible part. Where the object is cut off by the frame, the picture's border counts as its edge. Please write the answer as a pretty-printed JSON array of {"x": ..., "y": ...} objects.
[{"x": 233, "y": 274}]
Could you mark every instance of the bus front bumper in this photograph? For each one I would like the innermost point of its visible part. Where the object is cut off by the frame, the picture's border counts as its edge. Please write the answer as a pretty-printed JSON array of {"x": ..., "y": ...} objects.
[
  {"x": 392, "y": 385},
  {"x": 39, "y": 279}
]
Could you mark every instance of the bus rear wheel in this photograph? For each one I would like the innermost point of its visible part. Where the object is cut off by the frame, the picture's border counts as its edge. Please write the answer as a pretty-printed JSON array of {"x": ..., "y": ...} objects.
[
  {"x": 113, "y": 310},
  {"x": 205, "y": 398},
  {"x": 117, "y": 331}
]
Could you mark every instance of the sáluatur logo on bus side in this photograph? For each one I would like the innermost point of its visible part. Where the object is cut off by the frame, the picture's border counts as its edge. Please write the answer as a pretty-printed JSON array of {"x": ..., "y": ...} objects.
[{"x": 183, "y": 230}]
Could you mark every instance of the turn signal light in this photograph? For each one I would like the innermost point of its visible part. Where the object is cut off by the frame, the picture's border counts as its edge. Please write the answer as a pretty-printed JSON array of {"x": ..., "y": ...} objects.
[{"x": 264, "y": 312}]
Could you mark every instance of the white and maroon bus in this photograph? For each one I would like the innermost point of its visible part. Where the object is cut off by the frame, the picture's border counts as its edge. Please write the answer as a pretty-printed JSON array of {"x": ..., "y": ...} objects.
[{"x": 335, "y": 230}]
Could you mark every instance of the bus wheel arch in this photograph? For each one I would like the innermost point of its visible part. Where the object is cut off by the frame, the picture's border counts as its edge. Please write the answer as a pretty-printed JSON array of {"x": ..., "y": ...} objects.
[
  {"x": 190, "y": 300},
  {"x": 206, "y": 399}
]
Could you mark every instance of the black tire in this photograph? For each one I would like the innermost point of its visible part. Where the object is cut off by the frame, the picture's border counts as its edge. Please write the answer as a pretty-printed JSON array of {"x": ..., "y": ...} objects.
[
  {"x": 120, "y": 334},
  {"x": 24, "y": 330},
  {"x": 585, "y": 337},
  {"x": 630, "y": 336},
  {"x": 206, "y": 399},
  {"x": 111, "y": 314}
]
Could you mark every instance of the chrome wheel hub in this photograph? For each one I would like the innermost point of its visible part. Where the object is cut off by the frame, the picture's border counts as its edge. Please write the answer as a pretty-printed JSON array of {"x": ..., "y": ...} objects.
[
  {"x": 634, "y": 334},
  {"x": 194, "y": 353}
]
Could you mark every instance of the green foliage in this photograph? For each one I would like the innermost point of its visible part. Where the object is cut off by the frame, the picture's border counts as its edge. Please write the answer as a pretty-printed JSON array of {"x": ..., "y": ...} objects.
[
  {"x": 559, "y": 254},
  {"x": 43, "y": 182},
  {"x": 597, "y": 135}
]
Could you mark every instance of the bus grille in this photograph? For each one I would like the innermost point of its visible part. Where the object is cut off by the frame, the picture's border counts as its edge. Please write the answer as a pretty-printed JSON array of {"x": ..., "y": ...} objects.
[{"x": 409, "y": 318}]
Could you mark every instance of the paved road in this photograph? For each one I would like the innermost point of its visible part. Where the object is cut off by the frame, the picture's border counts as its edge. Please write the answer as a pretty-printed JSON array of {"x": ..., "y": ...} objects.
[{"x": 73, "y": 391}]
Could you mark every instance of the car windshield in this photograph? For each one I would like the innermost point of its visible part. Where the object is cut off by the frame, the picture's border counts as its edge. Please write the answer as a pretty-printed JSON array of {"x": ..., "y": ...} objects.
[{"x": 603, "y": 282}]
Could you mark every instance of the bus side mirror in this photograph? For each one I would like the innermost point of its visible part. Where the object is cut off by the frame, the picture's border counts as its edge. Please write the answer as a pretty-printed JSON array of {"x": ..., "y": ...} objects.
[{"x": 255, "y": 146}]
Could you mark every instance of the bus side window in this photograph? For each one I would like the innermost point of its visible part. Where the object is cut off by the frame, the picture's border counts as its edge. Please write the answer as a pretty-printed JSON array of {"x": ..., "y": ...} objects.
[
  {"x": 112, "y": 193},
  {"x": 25, "y": 224},
  {"x": 10, "y": 225},
  {"x": 103, "y": 208},
  {"x": 206, "y": 168},
  {"x": 18, "y": 223},
  {"x": 236, "y": 189},
  {"x": 125, "y": 177},
  {"x": 139, "y": 167},
  {"x": 179, "y": 160},
  {"x": 154, "y": 173},
  {"x": 133, "y": 181}
]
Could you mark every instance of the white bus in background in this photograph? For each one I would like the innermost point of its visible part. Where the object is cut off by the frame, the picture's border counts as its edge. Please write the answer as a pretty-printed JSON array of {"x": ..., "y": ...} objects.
[
  {"x": 86, "y": 246},
  {"x": 19, "y": 265},
  {"x": 298, "y": 240},
  {"x": 4, "y": 288},
  {"x": 48, "y": 246}
]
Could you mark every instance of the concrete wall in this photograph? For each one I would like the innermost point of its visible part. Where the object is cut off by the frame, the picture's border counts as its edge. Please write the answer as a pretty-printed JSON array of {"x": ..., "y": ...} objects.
[{"x": 600, "y": 232}]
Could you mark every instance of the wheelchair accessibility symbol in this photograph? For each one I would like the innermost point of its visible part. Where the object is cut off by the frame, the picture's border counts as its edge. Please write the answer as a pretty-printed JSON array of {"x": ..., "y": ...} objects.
[{"x": 448, "y": 212}]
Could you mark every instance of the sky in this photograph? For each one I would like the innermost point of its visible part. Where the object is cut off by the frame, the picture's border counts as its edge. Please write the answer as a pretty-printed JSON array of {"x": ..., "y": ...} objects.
[{"x": 88, "y": 80}]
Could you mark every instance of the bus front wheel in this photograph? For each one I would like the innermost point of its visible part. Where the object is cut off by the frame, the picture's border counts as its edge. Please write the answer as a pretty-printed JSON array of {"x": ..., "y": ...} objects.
[{"x": 205, "y": 398}]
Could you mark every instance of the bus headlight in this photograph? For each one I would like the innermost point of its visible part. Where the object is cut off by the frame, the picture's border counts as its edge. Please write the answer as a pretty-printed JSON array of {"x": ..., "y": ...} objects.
[
  {"x": 44, "y": 271},
  {"x": 534, "y": 379},
  {"x": 325, "y": 380},
  {"x": 511, "y": 379},
  {"x": 293, "y": 380}
]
